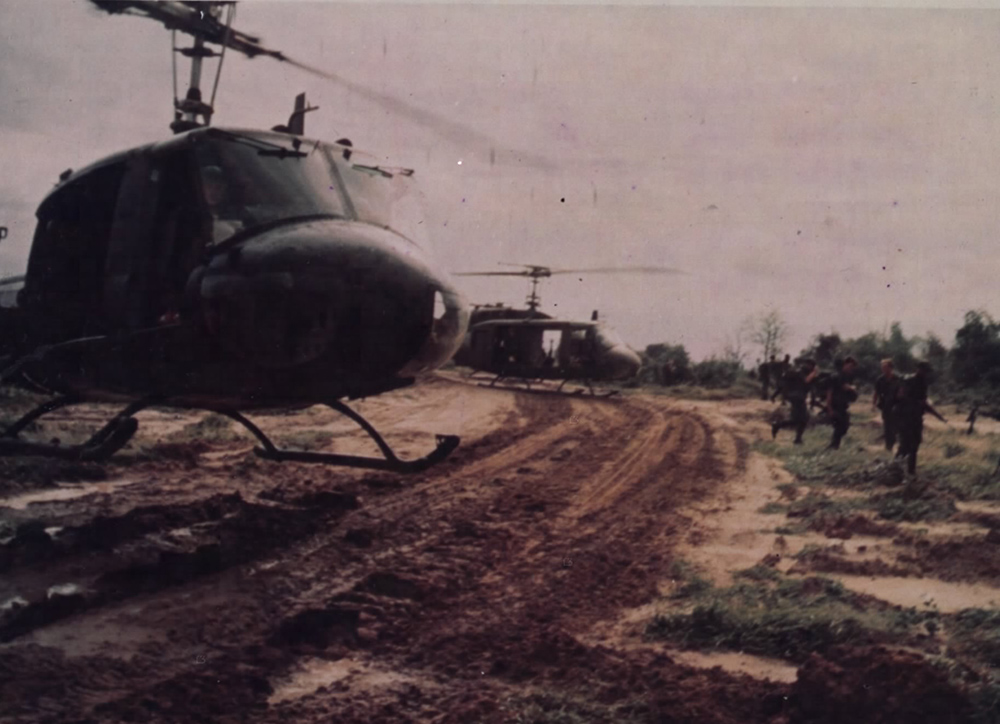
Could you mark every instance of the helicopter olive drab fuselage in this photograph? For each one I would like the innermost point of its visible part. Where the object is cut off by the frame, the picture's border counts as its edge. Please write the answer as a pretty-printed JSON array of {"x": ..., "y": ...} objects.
[{"x": 231, "y": 268}]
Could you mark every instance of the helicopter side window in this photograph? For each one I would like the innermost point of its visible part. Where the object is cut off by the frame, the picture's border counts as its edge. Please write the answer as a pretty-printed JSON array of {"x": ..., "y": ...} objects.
[
  {"x": 385, "y": 199},
  {"x": 70, "y": 248},
  {"x": 551, "y": 343}
]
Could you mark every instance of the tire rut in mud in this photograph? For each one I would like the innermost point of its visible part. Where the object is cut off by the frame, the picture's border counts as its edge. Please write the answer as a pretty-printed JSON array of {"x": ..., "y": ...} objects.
[
  {"x": 465, "y": 583},
  {"x": 211, "y": 536}
]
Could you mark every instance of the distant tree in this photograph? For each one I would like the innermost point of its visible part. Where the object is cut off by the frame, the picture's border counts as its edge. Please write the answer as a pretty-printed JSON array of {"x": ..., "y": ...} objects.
[
  {"x": 768, "y": 331},
  {"x": 933, "y": 351},
  {"x": 900, "y": 349},
  {"x": 715, "y": 373},
  {"x": 824, "y": 349},
  {"x": 868, "y": 350},
  {"x": 665, "y": 364},
  {"x": 975, "y": 358},
  {"x": 733, "y": 350}
]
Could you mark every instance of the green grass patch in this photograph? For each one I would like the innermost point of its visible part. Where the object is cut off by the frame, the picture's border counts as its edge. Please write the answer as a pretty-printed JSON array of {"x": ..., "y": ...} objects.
[
  {"x": 812, "y": 463},
  {"x": 767, "y": 614},
  {"x": 212, "y": 428},
  {"x": 975, "y": 632},
  {"x": 773, "y": 508},
  {"x": 305, "y": 440},
  {"x": 953, "y": 450},
  {"x": 897, "y": 506},
  {"x": 816, "y": 504},
  {"x": 966, "y": 479},
  {"x": 690, "y": 583}
]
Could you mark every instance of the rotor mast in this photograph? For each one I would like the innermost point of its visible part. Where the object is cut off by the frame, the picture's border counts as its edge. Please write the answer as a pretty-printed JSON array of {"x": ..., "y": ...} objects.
[{"x": 191, "y": 111}]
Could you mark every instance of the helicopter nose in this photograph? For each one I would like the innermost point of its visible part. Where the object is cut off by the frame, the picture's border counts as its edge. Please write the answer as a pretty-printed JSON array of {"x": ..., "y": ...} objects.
[
  {"x": 623, "y": 363},
  {"x": 335, "y": 300}
]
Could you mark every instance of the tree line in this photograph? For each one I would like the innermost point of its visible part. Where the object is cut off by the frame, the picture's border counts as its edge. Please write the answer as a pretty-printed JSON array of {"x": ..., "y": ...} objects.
[{"x": 968, "y": 371}]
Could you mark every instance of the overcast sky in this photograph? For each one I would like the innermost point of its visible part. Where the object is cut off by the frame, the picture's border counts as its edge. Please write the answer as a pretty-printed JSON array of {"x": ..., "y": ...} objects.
[{"x": 838, "y": 165}]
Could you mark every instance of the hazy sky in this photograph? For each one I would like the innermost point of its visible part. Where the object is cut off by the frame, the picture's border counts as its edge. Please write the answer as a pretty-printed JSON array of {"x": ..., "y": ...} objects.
[{"x": 840, "y": 165}]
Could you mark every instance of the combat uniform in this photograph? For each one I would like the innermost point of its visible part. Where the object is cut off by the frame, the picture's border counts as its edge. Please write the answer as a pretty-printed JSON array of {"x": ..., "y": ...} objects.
[
  {"x": 795, "y": 389},
  {"x": 840, "y": 402},
  {"x": 886, "y": 393},
  {"x": 909, "y": 414}
]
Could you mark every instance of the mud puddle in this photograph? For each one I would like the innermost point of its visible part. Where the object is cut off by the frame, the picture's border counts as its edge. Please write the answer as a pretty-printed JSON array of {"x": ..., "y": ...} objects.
[
  {"x": 737, "y": 663},
  {"x": 351, "y": 674},
  {"x": 63, "y": 493},
  {"x": 922, "y": 593}
]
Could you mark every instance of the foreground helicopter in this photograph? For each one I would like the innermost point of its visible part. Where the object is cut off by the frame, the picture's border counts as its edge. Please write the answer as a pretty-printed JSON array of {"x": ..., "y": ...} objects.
[
  {"x": 227, "y": 270},
  {"x": 526, "y": 345}
]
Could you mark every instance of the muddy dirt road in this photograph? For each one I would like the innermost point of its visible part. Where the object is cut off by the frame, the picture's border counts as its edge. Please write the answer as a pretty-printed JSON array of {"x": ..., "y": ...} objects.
[{"x": 193, "y": 582}]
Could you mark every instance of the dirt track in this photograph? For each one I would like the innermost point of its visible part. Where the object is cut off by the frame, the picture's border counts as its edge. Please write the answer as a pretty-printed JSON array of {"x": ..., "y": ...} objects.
[{"x": 216, "y": 587}]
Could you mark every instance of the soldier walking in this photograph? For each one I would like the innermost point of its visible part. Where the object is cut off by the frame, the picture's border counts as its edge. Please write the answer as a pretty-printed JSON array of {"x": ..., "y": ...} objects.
[
  {"x": 884, "y": 399},
  {"x": 765, "y": 378},
  {"x": 839, "y": 398},
  {"x": 911, "y": 404},
  {"x": 795, "y": 388}
]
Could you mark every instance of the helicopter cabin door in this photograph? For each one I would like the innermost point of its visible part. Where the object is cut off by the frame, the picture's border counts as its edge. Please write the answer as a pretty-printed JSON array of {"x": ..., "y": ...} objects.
[
  {"x": 64, "y": 284},
  {"x": 154, "y": 244}
]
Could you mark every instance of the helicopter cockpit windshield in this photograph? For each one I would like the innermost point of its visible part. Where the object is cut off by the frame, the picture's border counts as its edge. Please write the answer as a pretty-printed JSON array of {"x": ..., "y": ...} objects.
[{"x": 248, "y": 180}]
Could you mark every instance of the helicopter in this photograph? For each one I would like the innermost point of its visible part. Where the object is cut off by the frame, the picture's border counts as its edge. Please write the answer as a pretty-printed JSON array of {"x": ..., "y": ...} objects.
[
  {"x": 225, "y": 269},
  {"x": 527, "y": 345}
]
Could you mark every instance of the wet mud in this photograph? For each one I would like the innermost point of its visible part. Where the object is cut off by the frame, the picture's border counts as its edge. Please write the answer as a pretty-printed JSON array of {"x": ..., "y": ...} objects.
[{"x": 219, "y": 588}]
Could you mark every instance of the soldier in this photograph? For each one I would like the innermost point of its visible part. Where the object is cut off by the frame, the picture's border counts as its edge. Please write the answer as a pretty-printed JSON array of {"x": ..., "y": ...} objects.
[
  {"x": 884, "y": 399},
  {"x": 795, "y": 388},
  {"x": 911, "y": 404},
  {"x": 766, "y": 370},
  {"x": 783, "y": 368},
  {"x": 971, "y": 419},
  {"x": 839, "y": 398}
]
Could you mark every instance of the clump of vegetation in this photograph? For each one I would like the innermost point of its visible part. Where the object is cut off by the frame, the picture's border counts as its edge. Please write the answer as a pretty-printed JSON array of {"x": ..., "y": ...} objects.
[
  {"x": 953, "y": 450},
  {"x": 690, "y": 582},
  {"x": 211, "y": 428},
  {"x": 773, "y": 508},
  {"x": 975, "y": 632},
  {"x": 898, "y": 506},
  {"x": 812, "y": 464},
  {"x": 305, "y": 440}
]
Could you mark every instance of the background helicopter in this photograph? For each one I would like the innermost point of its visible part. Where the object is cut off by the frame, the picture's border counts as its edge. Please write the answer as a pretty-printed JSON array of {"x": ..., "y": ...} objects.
[
  {"x": 527, "y": 344},
  {"x": 226, "y": 270}
]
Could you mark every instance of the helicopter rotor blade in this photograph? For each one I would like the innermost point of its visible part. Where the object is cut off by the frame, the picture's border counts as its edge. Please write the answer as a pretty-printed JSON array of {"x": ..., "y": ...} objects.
[
  {"x": 187, "y": 18},
  {"x": 621, "y": 270},
  {"x": 493, "y": 274},
  {"x": 539, "y": 272}
]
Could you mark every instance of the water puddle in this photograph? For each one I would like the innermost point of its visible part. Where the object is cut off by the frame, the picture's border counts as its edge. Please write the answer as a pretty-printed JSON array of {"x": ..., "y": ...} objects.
[
  {"x": 314, "y": 674},
  {"x": 978, "y": 506},
  {"x": 738, "y": 663},
  {"x": 13, "y": 603},
  {"x": 62, "y": 493},
  {"x": 923, "y": 593},
  {"x": 63, "y": 589}
]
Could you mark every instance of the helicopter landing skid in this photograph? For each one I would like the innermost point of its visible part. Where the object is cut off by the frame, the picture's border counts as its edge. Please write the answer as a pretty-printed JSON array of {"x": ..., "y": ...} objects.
[
  {"x": 446, "y": 444},
  {"x": 102, "y": 444}
]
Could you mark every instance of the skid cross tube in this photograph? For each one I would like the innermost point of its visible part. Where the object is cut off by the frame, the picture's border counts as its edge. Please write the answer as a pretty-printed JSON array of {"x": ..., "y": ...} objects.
[{"x": 446, "y": 444}]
